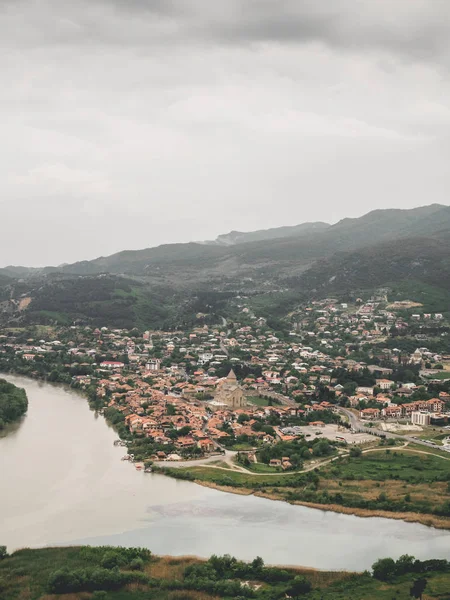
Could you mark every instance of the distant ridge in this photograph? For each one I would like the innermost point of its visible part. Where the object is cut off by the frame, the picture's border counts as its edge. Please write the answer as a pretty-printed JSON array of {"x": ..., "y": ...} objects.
[
  {"x": 285, "y": 249},
  {"x": 240, "y": 237},
  {"x": 170, "y": 284}
]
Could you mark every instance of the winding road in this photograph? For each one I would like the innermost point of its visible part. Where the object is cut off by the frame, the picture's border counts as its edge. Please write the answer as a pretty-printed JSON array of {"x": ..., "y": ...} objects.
[{"x": 360, "y": 427}]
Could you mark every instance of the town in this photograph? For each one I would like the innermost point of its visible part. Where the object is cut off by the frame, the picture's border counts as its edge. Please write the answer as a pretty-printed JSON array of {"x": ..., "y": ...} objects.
[{"x": 278, "y": 398}]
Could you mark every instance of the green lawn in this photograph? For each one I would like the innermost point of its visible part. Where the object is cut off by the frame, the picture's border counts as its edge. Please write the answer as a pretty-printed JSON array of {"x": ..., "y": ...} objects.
[
  {"x": 231, "y": 478},
  {"x": 258, "y": 400},
  {"x": 440, "y": 375},
  {"x": 242, "y": 447},
  {"x": 263, "y": 468}
]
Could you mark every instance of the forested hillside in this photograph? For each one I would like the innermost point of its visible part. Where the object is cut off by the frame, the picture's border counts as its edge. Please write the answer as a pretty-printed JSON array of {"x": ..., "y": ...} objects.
[{"x": 425, "y": 259}]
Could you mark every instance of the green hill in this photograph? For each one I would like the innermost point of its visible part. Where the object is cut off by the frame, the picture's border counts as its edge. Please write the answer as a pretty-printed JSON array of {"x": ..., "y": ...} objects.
[{"x": 420, "y": 258}]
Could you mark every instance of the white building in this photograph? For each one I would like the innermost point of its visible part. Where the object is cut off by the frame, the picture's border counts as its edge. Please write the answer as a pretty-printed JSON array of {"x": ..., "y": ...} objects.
[
  {"x": 384, "y": 384},
  {"x": 420, "y": 417}
]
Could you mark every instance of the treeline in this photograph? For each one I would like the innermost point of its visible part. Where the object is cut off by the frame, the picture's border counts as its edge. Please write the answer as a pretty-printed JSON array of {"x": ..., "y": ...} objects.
[
  {"x": 112, "y": 569},
  {"x": 386, "y": 569},
  {"x": 104, "y": 572},
  {"x": 13, "y": 403}
]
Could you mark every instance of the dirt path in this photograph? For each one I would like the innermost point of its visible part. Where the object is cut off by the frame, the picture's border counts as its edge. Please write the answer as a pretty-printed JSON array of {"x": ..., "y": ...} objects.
[{"x": 313, "y": 466}]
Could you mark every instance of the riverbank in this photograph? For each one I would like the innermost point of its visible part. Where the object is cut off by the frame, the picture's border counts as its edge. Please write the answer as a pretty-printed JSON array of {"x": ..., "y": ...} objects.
[
  {"x": 130, "y": 573},
  {"x": 428, "y": 520},
  {"x": 76, "y": 490},
  {"x": 396, "y": 483},
  {"x": 392, "y": 499}
]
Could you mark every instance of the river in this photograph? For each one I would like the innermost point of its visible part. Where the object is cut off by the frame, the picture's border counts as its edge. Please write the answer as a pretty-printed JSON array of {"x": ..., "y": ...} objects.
[{"x": 62, "y": 482}]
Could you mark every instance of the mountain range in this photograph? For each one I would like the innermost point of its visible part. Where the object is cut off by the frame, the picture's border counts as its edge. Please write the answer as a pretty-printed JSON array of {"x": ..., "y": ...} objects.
[{"x": 377, "y": 249}]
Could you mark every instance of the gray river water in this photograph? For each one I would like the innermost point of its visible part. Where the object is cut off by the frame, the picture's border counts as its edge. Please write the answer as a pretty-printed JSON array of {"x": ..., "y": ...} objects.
[{"x": 62, "y": 482}]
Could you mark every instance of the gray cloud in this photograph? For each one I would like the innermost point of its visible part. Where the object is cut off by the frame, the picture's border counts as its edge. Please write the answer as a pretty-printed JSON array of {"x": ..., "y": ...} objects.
[
  {"x": 130, "y": 123},
  {"x": 416, "y": 28}
]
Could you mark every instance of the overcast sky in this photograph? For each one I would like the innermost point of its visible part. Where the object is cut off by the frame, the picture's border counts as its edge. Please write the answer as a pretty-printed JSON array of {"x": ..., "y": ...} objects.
[{"x": 130, "y": 123}]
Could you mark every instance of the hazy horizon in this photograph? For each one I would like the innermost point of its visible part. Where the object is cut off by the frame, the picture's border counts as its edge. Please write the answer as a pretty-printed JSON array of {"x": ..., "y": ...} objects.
[
  {"x": 56, "y": 263},
  {"x": 133, "y": 124}
]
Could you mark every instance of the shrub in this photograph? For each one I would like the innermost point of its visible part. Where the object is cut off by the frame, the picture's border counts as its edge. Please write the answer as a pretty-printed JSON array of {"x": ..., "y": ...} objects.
[
  {"x": 137, "y": 564},
  {"x": 64, "y": 581},
  {"x": 111, "y": 559},
  {"x": 355, "y": 451}
]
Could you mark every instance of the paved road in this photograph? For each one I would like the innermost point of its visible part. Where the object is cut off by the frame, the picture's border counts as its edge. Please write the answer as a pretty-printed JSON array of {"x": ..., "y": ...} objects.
[{"x": 358, "y": 425}]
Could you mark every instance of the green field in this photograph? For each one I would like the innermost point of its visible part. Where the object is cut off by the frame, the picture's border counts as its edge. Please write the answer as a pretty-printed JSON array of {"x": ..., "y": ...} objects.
[
  {"x": 441, "y": 375},
  {"x": 241, "y": 447},
  {"x": 262, "y": 468},
  {"x": 258, "y": 400},
  {"x": 391, "y": 464},
  {"x": 229, "y": 478}
]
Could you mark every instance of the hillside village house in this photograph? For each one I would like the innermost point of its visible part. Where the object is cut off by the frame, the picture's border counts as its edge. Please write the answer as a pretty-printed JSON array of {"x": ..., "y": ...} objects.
[
  {"x": 369, "y": 413},
  {"x": 384, "y": 384},
  {"x": 392, "y": 412}
]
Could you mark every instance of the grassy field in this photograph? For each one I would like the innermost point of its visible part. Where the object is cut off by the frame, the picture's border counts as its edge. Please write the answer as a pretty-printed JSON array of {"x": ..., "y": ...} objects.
[
  {"x": 258, "y": 400},
  {"x": 231, "y": 478},
  {"x": 390, "y": 464},
  {"x": 440, "y": 375},
  {"x": 262, "y": 468},
  {"x": 242, "y": 447},
  {"x": 26, "y": 575}
]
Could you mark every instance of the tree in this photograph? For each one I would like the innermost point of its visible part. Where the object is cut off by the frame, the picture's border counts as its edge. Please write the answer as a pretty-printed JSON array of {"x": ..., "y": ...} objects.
[
  {"x": 3, "y": 552},
  {"x": 298, "y": 586},
  {"x": 418, "y": 588},
  {"x": 384, "y": 569},
  {"x": 257, "y": 563},
  {"x": 405, "y": 564},
  {"x": 242, "y": 418}
]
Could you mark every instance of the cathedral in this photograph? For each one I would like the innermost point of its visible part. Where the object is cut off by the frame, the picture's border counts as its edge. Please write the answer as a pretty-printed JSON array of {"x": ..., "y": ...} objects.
[{"x": 229, "y": 392}]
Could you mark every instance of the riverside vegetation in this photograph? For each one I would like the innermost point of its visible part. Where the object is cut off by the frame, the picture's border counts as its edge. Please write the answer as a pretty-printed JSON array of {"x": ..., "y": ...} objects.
[
  {"x": 111, "y": 573},
  {"x": 13, "y": 403},
  {"x": 404, "y": 483}
]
